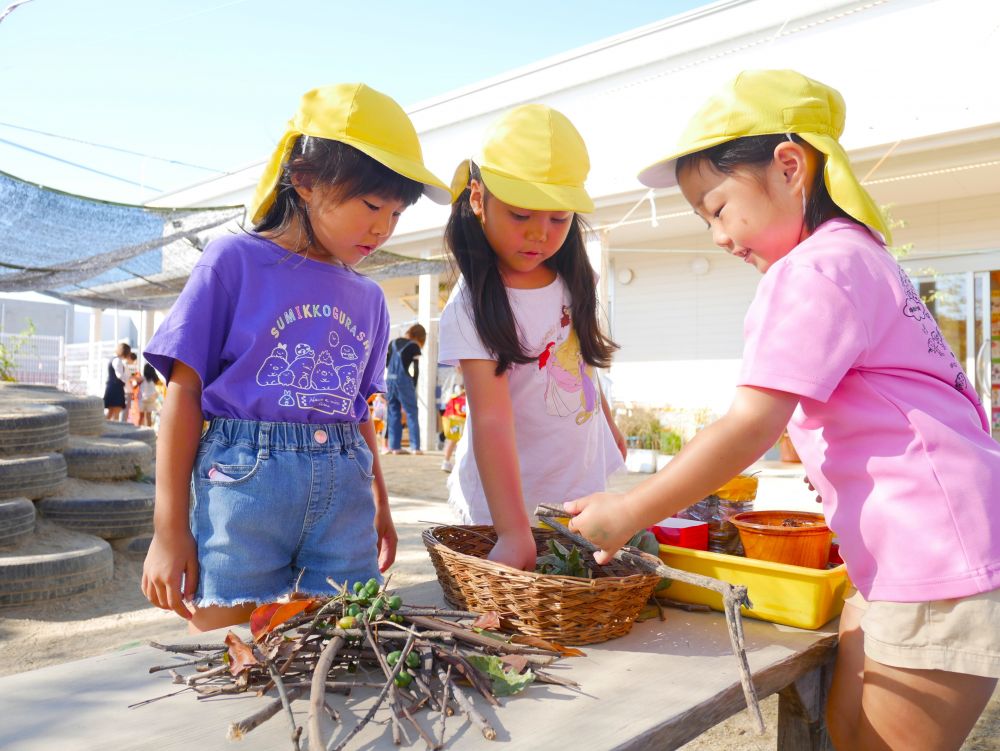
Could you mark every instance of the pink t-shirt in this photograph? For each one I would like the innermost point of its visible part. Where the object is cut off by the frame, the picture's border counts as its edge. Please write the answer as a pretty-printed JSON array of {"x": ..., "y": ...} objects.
[{"x": 888, "y": 427}]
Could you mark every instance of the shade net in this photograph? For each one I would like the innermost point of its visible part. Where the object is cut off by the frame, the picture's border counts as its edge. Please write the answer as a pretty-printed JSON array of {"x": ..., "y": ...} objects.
[{"x": 104, "y": 254}]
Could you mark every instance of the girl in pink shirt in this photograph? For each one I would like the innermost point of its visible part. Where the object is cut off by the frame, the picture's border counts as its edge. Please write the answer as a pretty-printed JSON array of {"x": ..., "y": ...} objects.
[{"x": 839, "y": 346}]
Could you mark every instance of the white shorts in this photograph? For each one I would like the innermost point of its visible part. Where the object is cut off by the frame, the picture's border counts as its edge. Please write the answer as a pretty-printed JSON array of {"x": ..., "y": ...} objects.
[{"x": 960, "y": 635}]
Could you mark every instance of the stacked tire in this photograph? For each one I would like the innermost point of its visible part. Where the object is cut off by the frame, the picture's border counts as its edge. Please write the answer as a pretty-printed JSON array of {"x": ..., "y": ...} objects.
[{"x": 63, "y": 487}]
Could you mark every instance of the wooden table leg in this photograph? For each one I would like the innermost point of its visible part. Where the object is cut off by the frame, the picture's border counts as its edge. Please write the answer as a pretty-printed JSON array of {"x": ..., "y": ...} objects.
[{"x": 801, "y": 711}]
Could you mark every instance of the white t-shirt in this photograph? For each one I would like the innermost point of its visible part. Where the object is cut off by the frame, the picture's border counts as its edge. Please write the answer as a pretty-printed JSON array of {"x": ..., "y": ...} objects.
[{"x": 564, "y": 445}]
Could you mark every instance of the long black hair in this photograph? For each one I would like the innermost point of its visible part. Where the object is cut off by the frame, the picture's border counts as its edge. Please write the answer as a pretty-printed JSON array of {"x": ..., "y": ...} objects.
[
  {"x": 323, "y": 161},
  {"x": 756, "y": 152},
  {"x": 491, "y": 309}
]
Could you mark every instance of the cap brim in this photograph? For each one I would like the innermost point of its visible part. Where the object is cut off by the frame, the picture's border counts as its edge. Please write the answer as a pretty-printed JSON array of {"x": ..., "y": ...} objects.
[
  {"x": 537, "y": 196},
  {"x": 663, "y": 172},
  {"x": 434, "y": 189}
]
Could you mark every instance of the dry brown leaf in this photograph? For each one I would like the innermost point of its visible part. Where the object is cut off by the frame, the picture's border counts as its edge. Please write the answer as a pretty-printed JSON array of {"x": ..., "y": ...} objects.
[{"x": 241, "y": 655}]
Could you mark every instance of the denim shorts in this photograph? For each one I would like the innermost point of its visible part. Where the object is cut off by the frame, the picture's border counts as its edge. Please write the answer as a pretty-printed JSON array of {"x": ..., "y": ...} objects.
[{"x": 273, "y": 501}]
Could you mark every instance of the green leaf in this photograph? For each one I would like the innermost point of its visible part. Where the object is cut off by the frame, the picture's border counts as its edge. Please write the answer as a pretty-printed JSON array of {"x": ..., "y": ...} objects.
[{"x": 504, "y": 682}]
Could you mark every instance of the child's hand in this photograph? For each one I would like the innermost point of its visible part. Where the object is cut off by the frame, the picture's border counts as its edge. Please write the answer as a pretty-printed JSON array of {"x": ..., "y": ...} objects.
[
  {"x": 601, "y": 518},
  {"x": 808, "y": 482},
  {"x": 171, "y": 562},
  {"x": 515, "y": 549},
  {"x": 387, "y": 538}
]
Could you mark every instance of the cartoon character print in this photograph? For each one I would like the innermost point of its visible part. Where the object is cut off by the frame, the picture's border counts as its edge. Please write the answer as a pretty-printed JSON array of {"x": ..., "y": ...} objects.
[
  {"x": 348, "y": 375},
  {"x": 324, "y": 375},
  {"x": 961, "y": 382},
  {"x": 302, "y": 366},
  {"x": 936, "y": 344},
  {"x": 569, "y": 380},
  {"x": 273, "y": 366},
  {"x": 347, "y": 353},
  {"x": 286, "y": 400}
]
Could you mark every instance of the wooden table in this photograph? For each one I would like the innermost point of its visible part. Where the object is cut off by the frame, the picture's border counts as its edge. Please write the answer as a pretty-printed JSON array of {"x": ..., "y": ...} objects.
[{"x": 659, "y": 687}]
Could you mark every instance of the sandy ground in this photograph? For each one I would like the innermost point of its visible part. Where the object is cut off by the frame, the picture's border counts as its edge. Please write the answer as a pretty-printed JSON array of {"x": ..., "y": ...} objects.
[{"x": 118, "y": 616}]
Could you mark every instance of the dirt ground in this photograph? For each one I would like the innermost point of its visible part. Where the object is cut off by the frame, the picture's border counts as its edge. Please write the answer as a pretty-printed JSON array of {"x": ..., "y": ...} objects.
[{"x": 118, "y": 616}]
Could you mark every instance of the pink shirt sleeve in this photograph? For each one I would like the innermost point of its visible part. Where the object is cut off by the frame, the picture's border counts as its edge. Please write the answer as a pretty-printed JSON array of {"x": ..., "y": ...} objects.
[{"x": 802, "y": 333}]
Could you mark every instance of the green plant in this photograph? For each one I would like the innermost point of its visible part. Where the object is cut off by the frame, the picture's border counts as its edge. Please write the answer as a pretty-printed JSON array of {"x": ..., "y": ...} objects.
[
  {"x": 561, "y": 561},
  {"x": 8, "y": 353}
]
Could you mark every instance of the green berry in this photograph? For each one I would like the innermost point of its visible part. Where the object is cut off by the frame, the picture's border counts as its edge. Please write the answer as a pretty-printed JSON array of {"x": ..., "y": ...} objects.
[
  {"x": 412, "y": 660},
  {"x": 358, "y": 586},
  {"x": 395, "y": 602},
  {"x": 354, "y": 609},
  {"x": 393, "y": 657},
  {"x": 404, "y": 679}
]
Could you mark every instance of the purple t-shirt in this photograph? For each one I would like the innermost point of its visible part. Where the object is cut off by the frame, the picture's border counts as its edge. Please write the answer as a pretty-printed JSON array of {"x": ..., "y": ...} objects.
[{"x": 276, "y": 337}]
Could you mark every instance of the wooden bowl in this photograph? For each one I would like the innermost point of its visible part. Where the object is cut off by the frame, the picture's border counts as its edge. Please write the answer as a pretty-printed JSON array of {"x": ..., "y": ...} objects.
[{"x": 794, "y": 537}]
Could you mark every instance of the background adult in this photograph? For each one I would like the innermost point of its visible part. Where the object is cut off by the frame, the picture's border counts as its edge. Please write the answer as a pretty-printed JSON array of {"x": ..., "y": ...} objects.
[{"x": 401, "y": 388}]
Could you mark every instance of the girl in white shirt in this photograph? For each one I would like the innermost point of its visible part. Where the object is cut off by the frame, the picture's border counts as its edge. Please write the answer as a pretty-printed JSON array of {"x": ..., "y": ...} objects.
[{"x": 522, "y": 323}]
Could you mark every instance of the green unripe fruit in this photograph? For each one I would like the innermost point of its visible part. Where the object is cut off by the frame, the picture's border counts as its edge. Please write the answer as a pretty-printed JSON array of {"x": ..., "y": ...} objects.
[
  {"x": 395, "y": 602},
  {"x": 404, "y": 679},
  {"x": 358, "y": 586},
  {"x": 396, "y": 618},
  {"x": 393, "y": 657},
  {"x": 413, "y": 660}
]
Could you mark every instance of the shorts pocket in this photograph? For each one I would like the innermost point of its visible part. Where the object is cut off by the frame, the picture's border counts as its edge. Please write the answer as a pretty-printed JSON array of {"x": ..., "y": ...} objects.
[{"x": 364, "y": 461}]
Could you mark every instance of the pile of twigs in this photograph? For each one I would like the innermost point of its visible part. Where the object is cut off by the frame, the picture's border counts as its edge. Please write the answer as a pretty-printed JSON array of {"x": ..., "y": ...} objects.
[{"x": 415, "y": 657}]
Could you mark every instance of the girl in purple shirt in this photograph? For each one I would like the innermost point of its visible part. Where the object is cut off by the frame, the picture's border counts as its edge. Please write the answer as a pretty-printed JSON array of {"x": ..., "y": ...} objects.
[
  {"x": 277, "y": 343},
  {"x": 840, "y": 347}
]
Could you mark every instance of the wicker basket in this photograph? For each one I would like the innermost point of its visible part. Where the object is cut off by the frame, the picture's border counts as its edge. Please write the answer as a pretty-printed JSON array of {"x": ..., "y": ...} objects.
[{"x": 563, "y": 609}]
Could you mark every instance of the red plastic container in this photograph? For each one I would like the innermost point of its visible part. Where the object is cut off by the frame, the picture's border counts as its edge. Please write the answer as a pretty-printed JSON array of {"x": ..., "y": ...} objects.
[{"x": 682, "y": 533}]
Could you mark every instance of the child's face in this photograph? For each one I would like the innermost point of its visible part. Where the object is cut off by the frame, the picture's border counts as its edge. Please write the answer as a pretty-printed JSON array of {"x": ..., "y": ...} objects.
[
  {"x": 349, "y": 231},
  {"x": 522, "y": 239},
  {"x": 755, "y": 216}
]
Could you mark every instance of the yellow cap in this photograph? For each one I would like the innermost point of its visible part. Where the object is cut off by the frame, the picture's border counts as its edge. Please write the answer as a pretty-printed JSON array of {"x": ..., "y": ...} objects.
[
  {"x": 533, "y": 158},
  {"x": 764, "y": 102},
  {"x": 361, "y": 117}
]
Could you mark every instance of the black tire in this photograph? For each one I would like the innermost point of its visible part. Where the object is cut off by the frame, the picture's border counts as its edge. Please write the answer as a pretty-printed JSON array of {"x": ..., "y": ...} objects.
[
  {"x": 99, "y": 458},
  {"x": 135, "y": 545},
  {"x": 32, "y": 429},
  {"x": 110, "y": 518},
  {"x": 86, "y": 413},
  {"x": 31, "y": 574},
  {"x": 17, "y": 521},
  {"x": 31, "y": 477},
  {"x": 130, "y": 431}
]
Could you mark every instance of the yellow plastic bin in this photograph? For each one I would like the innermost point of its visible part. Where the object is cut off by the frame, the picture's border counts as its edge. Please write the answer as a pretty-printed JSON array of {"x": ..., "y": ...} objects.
[{"x": 780, "y": 593}]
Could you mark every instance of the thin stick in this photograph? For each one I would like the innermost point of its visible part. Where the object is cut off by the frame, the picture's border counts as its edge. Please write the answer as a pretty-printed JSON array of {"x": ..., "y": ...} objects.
[
  {"x": 187, "y": 648},
  {"x": 317, "y": 694},
  {"x": 489, "y": 733},
  {"x": 732, "y": 597},
  {"x": 280, "y": 685},
  {"x": 206, "y": 658},
  {"x": 444, "y": 703},
  {"x": 238, "y": 729}
]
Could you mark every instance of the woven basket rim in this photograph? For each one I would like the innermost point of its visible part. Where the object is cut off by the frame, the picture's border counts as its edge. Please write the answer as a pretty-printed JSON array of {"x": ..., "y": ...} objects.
[{"x": 431, "y": 538}]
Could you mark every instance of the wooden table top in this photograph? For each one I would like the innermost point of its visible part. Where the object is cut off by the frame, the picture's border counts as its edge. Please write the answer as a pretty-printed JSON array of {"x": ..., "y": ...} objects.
[{"x": 658, "y": 687}]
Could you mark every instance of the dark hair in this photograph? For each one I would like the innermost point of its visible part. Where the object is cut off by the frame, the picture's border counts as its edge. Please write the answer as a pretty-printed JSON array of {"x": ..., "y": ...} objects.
[
  {"x": 491, "y": 309},
  {"x": 323, "y": 161},
  {"x": 149, "y": 373},
  {"x": 756, "y": 152}
]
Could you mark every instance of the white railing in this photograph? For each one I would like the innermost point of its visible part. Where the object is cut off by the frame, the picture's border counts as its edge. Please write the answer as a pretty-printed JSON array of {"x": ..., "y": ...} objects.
[
  {"x": 86, "y": 367},
  {"x": 34, "y": 359}
]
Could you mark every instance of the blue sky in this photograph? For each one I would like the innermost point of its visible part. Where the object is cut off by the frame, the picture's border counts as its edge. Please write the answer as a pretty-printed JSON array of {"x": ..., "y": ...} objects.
[{"x": 211, "y": 83}]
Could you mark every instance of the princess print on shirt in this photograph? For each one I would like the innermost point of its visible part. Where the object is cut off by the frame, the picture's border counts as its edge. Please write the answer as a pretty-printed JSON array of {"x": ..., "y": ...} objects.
[{"x": 569, "y": 380}]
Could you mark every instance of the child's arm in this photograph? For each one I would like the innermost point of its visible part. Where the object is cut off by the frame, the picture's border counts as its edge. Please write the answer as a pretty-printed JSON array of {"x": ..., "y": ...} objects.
[
  {"x": 172, "y": 554},
  {"x": 384, "y": 527},
  {"x": 620, "y": 441},
  {"x": 717, "y": 454},
  {"x": 492, "y": 415}
]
